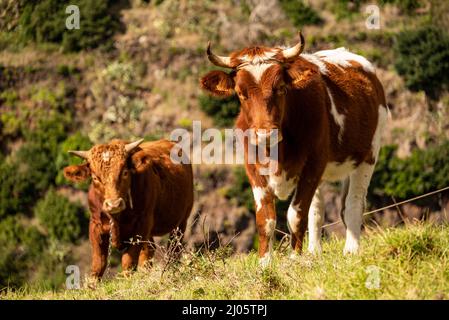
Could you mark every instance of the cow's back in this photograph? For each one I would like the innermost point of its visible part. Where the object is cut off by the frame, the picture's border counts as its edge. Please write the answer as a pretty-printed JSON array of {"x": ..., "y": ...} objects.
[
  {"x": 175, "y": 195},
  {"x": 354, "y": 96}
]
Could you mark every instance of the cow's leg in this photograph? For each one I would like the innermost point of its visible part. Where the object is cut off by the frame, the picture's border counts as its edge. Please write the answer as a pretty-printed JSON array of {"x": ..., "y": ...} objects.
[
  {"x": 297, "y": 214},
  {"x": 355, "y": 204},
  {"x": 146, "y": 254},
  {"x": 266, "y": 223},
  {"x": 316, "y": 219},
  {"x": 130, "y": 257},
  {"x": 99, "y": 245}
]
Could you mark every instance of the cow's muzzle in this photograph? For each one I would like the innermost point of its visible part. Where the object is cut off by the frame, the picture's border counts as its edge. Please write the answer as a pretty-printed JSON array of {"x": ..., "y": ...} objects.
[
  {"x": 113, "y": 206},
  {"x": 267, "y": 137}
]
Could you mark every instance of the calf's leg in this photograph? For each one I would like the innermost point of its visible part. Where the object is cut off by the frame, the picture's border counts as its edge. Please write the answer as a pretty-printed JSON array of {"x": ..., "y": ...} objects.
[
  {"x": 99, "y": 245},
  {"x": 130, "y": 257},
  {"x": 146, "y": 253}
]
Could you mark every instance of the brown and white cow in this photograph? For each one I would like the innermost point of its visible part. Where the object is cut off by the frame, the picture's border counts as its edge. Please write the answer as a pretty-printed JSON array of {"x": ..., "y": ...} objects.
[
  {"x": 138, "y": 188},
  {"x": 329, "y": 109}
]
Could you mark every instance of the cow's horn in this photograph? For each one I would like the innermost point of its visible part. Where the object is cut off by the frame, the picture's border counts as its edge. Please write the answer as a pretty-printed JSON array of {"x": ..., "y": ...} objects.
[
  {"x": 220, "y": 61},
  {"x": 130, "y": 146},
  {"x": 81, "y": 154},
  {"x": 295, "y": 51}
]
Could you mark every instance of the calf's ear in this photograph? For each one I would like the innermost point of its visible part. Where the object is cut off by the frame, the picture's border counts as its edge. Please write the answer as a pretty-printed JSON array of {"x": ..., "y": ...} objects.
[
  {"x": 218, "y": 83},
  {"x": 300, "y": 77},
  {"x": 141, "y": 161},
  {"x": 77, "y": 173}
]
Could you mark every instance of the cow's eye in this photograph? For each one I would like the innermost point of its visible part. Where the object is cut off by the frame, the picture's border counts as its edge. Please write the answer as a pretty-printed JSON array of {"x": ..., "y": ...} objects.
[
  {"x": 125, "y": 173},
  {"x": 241, "y": 95},
  {"x": 95, "y": 178}
]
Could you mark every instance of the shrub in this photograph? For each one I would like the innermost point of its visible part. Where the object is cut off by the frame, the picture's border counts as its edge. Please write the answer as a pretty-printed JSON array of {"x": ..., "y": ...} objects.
[
  {"x": 37, "y": 156},
  {"x": 21, "y": 248},
  {"x": 346, "y": 8},
  {"x": 241, "y": 190},
  {"x": 61, "y": 218},
  {"x": 16, "y": 190},
  {"x": 300, "y": 13},
  {"x": 422, "y": 59},
  {"x": 223, "y": 111},
  {"x": 45, "y": 21},
  {"x": 406, "y": 6},
  {"x": 422, "y": 172}
]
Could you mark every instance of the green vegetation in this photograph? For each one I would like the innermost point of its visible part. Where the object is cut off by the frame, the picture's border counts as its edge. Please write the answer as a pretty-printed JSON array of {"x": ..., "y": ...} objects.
[
  {"x": 45, "y": 21},
  {"x": 222, "y": 110},
  {"x": 422, "y": 57},
  {"x": 424, "y": 171},
  {"x": 62, "y": 219},
  {"x": 394, "y": 264},
  {"x": 300, "y": 13},
  {"x": 21, "y": 249},
  {"x": 406, "y": 6},
  {"x": 241, "y": 190},
  {"x": 345, "y": 9}
]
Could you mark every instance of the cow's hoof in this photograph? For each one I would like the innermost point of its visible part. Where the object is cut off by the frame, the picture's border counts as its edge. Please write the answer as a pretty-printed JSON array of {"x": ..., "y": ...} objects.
[
  {"x": 125, "y": 274},
  {"x": 351, "y": 248},
  {"x": 315, "y": 250},
  {"x": 91, "y": 282},
  {"x": 294, "y": 256},
  {"x": 265, "y": 261}
]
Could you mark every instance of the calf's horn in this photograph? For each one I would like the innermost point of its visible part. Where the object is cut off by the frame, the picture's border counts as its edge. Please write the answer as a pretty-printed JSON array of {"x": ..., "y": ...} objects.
[
  {"x": 131, "y": 146},
  {"x": 79, "y": 153},
  {"x": 220, "y": 61},
  {"x": 295, "y": 51}
]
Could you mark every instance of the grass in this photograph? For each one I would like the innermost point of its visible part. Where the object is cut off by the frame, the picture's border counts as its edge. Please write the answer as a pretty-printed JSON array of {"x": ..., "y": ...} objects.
[{"x": 402, "y": 263}]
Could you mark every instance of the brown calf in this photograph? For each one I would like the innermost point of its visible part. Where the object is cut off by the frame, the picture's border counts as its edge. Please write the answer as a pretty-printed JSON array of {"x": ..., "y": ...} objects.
[
  {"x": 140, "y": 190},
  {"x": 329, "y": 109}
]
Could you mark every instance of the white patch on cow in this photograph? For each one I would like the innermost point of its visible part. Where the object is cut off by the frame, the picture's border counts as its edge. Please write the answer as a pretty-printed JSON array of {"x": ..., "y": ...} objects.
[
  {"x": 106, "y": 156},
  {"x": 358, "y": 185},
  {"x": 343, "y": 58},
  {"x": 259, "y": 194},
  {"x": 265, "y": 261},
  {"x": 270, "y": 225},
  {"x": 292, "y": 216},
  {"x": 355, "y": 204},
  {"x": 258, "y": 59},
  {"x": 339, "y": 118},
  {"x": 315, "y": 222},
  {"x": 312, "y": 58},
  {"x": 381, "y": 122},
  {"x": 281, "y": 186},
  {"x": 336, "y": 171},
  {"x": 257, "y": 70}
]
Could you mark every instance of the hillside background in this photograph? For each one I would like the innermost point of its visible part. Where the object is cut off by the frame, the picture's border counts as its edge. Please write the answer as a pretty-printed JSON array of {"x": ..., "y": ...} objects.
[{"x": 132, "y": 71}]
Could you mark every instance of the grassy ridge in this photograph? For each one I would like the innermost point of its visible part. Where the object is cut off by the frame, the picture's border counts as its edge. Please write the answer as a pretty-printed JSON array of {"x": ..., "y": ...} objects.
[{"x": 402, "y": 263}]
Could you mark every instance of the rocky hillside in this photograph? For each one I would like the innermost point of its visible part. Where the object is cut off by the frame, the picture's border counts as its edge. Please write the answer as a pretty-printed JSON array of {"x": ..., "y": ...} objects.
[{"x": 140, "y": 79}]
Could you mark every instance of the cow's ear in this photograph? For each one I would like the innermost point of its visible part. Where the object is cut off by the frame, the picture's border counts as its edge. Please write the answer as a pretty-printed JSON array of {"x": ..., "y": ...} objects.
[
  {"x": 300, "y": 77},
  {"x": 218, "y": 83},
  {"x": 140, "y": 161},
  {"x": 77, "y": 173}
]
